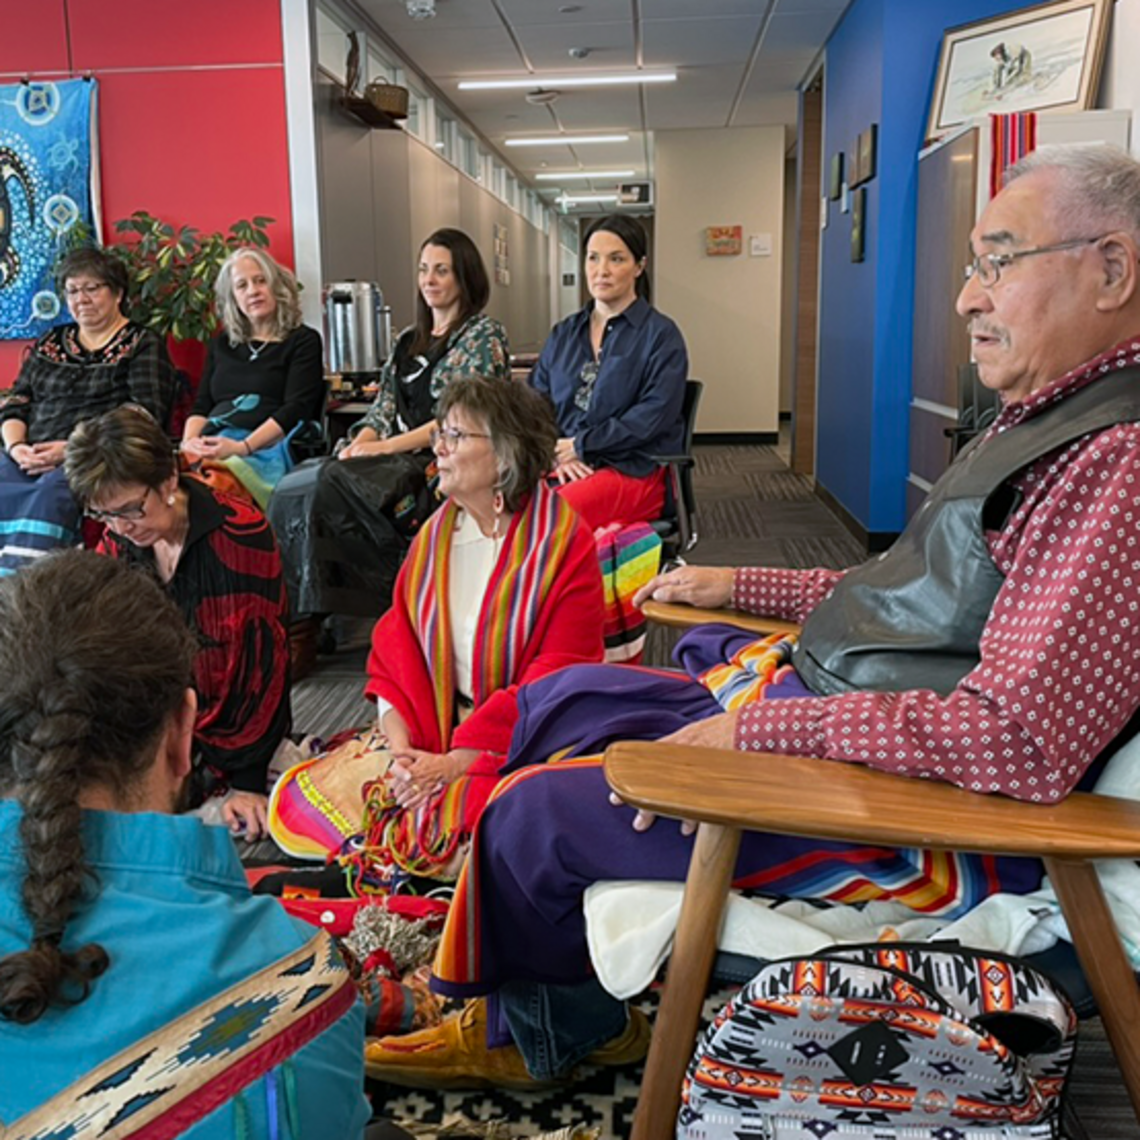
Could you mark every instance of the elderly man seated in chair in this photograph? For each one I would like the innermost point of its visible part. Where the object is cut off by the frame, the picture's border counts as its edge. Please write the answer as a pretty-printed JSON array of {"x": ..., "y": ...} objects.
[{"x": 993, "y": 647}]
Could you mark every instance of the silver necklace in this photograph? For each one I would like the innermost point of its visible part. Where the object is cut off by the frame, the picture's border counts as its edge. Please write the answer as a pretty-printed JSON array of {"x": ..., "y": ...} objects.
[{"x": 254, "y": 353}]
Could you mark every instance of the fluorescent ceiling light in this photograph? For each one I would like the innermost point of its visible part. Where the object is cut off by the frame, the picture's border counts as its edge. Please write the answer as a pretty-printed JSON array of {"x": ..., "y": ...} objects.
[
  {"x": 569, "y": 175},
  {"x": 575, "y": 199},
  {"x": 567, "y": 140},
  {"x": 559, "y": 81}
]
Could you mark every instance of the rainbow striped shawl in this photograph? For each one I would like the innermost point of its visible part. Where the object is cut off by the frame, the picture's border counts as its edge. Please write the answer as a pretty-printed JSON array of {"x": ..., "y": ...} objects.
[{"x": 537, "y": 541}]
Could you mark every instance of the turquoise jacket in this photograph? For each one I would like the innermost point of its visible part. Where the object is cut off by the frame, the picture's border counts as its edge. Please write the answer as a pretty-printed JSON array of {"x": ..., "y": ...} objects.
[{"x": 175, "y": 915}]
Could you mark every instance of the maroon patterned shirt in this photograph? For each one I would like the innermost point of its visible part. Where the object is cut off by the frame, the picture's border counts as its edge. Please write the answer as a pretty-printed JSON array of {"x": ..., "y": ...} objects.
[{"x": 1059, "y": 674}]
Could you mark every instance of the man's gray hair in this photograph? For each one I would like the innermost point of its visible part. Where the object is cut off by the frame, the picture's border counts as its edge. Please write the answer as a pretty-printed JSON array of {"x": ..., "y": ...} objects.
[
  {"x": 1100, "y": 186},
  {"x": 282, "y": 284}
]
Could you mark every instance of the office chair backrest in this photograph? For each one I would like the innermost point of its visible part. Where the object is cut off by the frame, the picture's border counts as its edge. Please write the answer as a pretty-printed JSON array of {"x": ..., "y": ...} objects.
[{"x": 678, "y": 523}]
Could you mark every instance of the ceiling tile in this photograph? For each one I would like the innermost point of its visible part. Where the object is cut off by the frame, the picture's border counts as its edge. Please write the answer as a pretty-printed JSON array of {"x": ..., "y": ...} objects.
[
  {"x": 699, "y": 41},
  {"x": 803, "y": 30},
  {"x": 600, "y": 108},
  {"x": 705, "y": 9},
  {"x": 439, "y": 51},
  {"x": 548, "y": 46},
  {"x": 525, "y": 13},
  {"x": 777, "y": 73},
  {"x": 392, "y": 15},
  {"x": 838, "y": 7},
  {"x": 701, "y": 97}
]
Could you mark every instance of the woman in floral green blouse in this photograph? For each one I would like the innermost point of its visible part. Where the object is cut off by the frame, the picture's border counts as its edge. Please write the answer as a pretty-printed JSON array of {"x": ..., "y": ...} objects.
[
  {"x": 343, "y": 527},
  {"x": 451, "y": 339}
]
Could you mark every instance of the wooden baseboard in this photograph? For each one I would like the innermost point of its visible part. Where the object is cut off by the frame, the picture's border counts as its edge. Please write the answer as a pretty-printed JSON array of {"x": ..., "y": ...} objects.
[{"x": 872, "y": 541}]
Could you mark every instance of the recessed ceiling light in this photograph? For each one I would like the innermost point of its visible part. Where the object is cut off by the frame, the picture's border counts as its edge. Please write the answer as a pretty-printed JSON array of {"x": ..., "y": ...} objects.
[
  {"x": 568, "y": 175},
  {"x": 566, "y": 140},
  {"x": 548, "y": 81}
]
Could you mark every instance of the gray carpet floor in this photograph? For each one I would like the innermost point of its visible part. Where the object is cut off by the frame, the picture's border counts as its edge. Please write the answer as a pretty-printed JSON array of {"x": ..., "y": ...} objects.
[{"x": 753, "y": 511}]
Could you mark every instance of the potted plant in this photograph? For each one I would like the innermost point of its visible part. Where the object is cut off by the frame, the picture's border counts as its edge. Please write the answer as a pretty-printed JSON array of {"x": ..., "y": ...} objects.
[{"x": 172, "y": 274}]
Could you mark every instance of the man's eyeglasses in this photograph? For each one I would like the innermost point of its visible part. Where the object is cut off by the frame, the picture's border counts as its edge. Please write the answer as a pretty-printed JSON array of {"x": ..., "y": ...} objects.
[
  {"x": 452, "y": 437},
  {"x": 89, "y": 290},
  {"x": 132, "y": 512},
  {"x": 987, "y": 267}
]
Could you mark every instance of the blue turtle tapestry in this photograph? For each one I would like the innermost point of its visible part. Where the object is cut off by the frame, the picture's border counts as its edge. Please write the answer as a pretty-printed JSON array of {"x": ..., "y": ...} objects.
[{"x": 48, "y": 196}]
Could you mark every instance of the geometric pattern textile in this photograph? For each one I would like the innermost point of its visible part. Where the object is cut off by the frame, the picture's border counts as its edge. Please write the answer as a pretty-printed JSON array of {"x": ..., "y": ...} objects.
[
  {"x": 165, "y": 1083},
  {"x": 49, "y": 193},
  {"x": 884, "y": 1041}
]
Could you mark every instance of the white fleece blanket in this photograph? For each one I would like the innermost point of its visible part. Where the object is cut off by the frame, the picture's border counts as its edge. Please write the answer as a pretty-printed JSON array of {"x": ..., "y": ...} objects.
[{"x": 630, "y": 925}]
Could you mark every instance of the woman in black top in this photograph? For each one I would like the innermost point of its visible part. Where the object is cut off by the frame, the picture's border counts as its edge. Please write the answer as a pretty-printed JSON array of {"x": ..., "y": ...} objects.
[
  {"x": 344, "y": 525},
  {"x": 264, "y": 375}
]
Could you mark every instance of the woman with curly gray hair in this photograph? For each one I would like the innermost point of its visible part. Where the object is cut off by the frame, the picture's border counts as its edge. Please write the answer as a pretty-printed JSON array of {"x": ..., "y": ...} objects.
[{"x": 263, "y": 378}]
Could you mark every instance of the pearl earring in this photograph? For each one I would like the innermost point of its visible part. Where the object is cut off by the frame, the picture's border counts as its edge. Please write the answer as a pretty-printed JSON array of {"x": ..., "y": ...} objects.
[{"x": 170, "y": 500}]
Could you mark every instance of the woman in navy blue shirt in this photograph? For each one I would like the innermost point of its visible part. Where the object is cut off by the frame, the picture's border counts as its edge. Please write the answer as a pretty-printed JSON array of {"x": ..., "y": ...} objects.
[{"x": 616, "y": 372}]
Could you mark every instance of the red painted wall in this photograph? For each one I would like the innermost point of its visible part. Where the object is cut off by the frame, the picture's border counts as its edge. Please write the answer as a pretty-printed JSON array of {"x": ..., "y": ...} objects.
[{"x": 191, "y": 107}]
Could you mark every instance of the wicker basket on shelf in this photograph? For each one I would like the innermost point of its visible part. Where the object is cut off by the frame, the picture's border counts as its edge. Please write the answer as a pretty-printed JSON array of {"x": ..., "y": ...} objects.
[{"x": 389, "y": 98}]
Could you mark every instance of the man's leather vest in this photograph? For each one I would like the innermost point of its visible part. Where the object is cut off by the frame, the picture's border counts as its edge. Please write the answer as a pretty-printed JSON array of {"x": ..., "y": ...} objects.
[{"x": 913, "y": 617}]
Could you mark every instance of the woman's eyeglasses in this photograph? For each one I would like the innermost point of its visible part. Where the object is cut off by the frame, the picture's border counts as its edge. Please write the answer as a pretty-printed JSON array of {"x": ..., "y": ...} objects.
[
  {"x": 89, "y": 290},
  {"x": 452, "y": 437},
  {"x": 132, "y": 512}
]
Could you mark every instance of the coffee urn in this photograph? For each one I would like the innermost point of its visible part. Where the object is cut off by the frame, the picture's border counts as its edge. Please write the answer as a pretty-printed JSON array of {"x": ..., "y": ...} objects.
[{"x": 358, "y": 331}]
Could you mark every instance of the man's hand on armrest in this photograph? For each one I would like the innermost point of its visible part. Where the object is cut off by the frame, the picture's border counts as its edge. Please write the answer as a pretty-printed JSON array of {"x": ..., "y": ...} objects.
[{"x": 707, "y": 587}]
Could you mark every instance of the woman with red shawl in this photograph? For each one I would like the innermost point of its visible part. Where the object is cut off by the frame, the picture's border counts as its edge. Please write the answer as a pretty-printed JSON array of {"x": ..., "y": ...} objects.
[{"x": 500, "y": 587}]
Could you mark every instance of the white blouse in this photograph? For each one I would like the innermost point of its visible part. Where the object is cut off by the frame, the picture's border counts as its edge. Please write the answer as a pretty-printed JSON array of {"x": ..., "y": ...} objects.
[{"x": 473, "y": 558}]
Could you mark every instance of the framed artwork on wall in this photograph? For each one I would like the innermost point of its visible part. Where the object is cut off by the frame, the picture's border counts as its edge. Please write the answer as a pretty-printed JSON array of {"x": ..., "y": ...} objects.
[
  {"x": 858, "y": 223},
  {"x": 724, "y": 241},
  {"x": 854, "y": 171},
  {"x": 835, "y": 177},
  {"x": 1044, "y": 58},
  {"x": 868, "y": 150}
]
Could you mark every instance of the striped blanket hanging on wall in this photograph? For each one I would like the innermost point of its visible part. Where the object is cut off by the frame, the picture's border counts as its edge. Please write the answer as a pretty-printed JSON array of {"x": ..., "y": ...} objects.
[{"x": 1012, "y": 137}]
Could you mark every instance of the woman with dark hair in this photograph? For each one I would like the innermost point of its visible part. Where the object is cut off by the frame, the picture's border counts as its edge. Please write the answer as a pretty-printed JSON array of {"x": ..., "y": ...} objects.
[
  {"x": 344, "y": 527},
  {"x": 215, "y": 556},
  {"x": 499, "y": 588},
  {"x": 139, "y": 980},
  {"x": 616, "y": 372},
  {"x": 264, "y": 375},
  {"x": 72, "y": 372}
]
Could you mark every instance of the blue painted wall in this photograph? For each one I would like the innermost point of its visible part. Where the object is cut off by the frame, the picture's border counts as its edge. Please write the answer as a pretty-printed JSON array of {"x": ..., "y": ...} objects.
[{"x": 881, "y": 61}]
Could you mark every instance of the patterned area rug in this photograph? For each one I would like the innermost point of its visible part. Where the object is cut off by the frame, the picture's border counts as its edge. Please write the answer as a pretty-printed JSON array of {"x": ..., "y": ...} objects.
[{"x": 601, "y": 1098}]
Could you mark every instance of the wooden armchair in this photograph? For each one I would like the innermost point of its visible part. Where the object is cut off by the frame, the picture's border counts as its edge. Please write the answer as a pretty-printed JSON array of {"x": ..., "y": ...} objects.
[{"x": 720, "y": 789}]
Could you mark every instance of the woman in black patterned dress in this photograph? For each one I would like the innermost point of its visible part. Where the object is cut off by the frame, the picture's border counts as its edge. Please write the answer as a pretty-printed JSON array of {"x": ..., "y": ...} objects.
[
  {"x": 217, "y": 558},
  {"x": 72, "y": 372}
]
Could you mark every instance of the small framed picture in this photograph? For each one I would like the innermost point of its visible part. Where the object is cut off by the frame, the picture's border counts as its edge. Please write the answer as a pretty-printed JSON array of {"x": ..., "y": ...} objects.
[
  {"x": 854, "y": 171},
  {"x": 858, "y": 223},
  {"x": 868, "y": 152},
  {"x": 835, "y": 179}
]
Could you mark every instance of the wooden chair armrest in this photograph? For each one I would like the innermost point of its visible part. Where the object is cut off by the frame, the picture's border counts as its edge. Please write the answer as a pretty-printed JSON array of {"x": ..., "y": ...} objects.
[
  {"x": 825, "y": 799},
  {"x": 683, "y": 617}
]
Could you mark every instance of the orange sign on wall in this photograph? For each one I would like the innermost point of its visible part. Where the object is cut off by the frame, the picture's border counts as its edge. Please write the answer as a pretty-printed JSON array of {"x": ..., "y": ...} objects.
[{"x": 724, "y": 241}]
